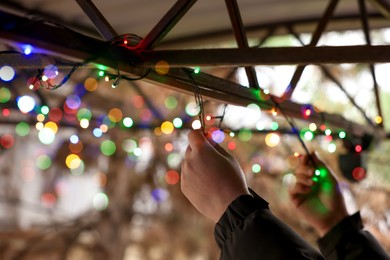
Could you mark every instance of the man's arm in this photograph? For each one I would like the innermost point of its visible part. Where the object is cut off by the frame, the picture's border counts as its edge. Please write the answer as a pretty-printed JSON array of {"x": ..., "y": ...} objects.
[
  {"x": 214, "y": 183},
  {"x": 321, "y": 204}
]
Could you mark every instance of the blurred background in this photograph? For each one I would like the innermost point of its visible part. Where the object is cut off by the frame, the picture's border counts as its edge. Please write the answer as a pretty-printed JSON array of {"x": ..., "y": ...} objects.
[{"x": 90, "y": 169}]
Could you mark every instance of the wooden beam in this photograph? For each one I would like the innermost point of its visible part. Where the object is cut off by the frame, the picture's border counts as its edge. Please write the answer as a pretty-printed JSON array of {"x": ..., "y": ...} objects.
[
  {"x": 62, "y": 42},
  {"x": 269, "y": 56},
  {"x": 241, "y": 38},
  {"x": 97, "y": 19},
  {"x": 164, "y": 26}
]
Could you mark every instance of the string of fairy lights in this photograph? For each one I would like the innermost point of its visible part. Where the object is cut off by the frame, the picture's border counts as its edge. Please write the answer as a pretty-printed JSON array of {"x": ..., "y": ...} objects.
[{"x": 48, "y": 120}]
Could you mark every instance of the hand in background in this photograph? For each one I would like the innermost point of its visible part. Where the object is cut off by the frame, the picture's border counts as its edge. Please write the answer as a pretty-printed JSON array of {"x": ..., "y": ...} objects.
[
  {"x": 210, "y": 177},
  {"x": 317, "y": 196}
]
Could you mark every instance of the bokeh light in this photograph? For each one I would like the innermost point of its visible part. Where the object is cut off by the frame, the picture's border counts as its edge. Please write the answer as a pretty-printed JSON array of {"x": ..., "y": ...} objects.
[
  {"x": 245, "y": 135},
  {"x": 272, "y": 139},
  {"x": 72, "y": 161},
  {"x": 100, "y": 201},
  {"x": 46, "y": 136},
  {"x": 50, "y": 71},
  {"x": 41, "y": 117},
  {"x": 53, "y": 126},
  {"x": 84, "y": 123},
  {"x": 137, "y": 101},
  {"x": 170, "y": 102},
  {"x": 48, "y": 200},
  {"x": 196, "y": 124},
  {"x": 342, "y": 134},
  {"x": 378, "y": 120},
  {"x": 359, "y": 173},
  {"x": 159, "y": 195},
  {"x": 162, "y": 67},
  {"x": 76, "y": 147},
  {"x": 27, "y": 49},
  {"x": 167, "y": 127},
  {"x": 43, "y": 162},
  {"x": 115, "y": 115},
  {"x": 100, "y": 179},
  {"x": 5, "y": 95},
  {"x": 127, "y": 122},
  {"x": 313, "y": 127},
  {"x": 192, "y": 109},
  {"x": 256, "y": 168},
  {"x": 73, "y": 101},
  {"x": 332, "y": 147},
  {"x": 7, "y": 73},
  {"x": 274, "y": 126},
  {"x": 129, "y": 145},
  {"x": 90, "y": 84},
  {"x": 232, "y": 145},
  {"x": 97, "y": 132},
  {"x": 108, "y": 147},
  {"x": 172, "y": 177},
  {"x": 84, "y": 113},
  {"x": 177, "y": 122},
  {"x": 74, "y": 139},
  {"x": 22, "y": 129},
  {"x": 218, "y": 136},
  {"x": 55, "y": 114},
  {"x": 7, "y": 141},
  {"x": 168, "y": 147},
  {"x": 289, "y": 180},
  {"x": 25, "y": 104},
  {"x": 78, "y": 167},
  {"x": 45, "y": 110},
  {"x": 174, "y": 160}
]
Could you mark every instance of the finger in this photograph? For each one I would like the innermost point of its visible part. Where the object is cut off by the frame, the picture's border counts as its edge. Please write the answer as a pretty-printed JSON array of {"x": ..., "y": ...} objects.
[
  {"x": 304, "y": 171},
  {"x": 187, "y": 153},
  {"x": 182, "y": 174},
  {"x": 305, "y": 181},
  {"x": 299, "y": 189},
  {"x": 196, "y": 140}
]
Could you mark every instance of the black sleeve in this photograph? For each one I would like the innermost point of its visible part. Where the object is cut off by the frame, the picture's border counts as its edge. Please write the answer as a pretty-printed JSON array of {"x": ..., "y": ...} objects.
[
  {"x": 347, "y": 240},
  {"x": 248, "y": 230}
]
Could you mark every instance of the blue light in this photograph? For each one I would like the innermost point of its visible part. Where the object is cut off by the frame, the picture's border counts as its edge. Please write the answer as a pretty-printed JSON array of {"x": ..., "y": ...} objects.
[
  {"x": 218, "y": 136},
  {"x": 97, "y": 132},
  {"x": 74, "y": 139},
  {"x": 27, "y": 49}
]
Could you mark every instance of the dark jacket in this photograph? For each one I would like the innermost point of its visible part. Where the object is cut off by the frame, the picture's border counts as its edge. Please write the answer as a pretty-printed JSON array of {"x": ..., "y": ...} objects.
[{"x": 248, "y": 230}]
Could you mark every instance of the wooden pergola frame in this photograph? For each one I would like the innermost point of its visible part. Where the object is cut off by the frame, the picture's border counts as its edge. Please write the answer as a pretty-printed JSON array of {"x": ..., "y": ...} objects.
[{"x": 138, "y": 59}]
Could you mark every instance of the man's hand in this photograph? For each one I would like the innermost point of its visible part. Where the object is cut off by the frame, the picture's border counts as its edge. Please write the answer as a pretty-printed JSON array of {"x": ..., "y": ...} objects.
[
  {"x": 317, "y": 196},
  {"x": 210, "y": 177}
]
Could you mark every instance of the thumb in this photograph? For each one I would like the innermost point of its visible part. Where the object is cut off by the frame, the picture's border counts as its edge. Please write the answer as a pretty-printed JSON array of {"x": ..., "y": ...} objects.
[{"x": 196, "y": 140}]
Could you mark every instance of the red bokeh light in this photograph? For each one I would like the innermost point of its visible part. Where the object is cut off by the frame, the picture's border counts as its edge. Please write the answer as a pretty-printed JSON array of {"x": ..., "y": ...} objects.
[
  {"x": 359, "y": 173},
  {"x": 172, "y": 177}
]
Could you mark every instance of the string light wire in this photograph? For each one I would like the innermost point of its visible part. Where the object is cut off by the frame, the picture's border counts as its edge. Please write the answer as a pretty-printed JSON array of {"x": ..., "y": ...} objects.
[{"x": 198, "y": 98}]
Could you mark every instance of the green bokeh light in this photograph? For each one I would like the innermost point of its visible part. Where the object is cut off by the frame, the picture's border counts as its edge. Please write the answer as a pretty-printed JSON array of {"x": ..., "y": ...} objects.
[
  {"x": 84, "y": 113},
  {"x": 45, "y": 110},
  {"x": 5, "y": 95},
  {"x": 43, "y": 162},
  {"x": 108, "y": 147},
  {"x": 256, "y": 168},
  {"x": 245, "y": 135},
  {"x": 342, "y": 134},
  {"x": 127, "y": 122},
  {"x": 274, "y": 126},
  {"x": 170, "y": 102},
  {"x": 22, "y": 129},
  {"x": 177, "y": 122}
]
